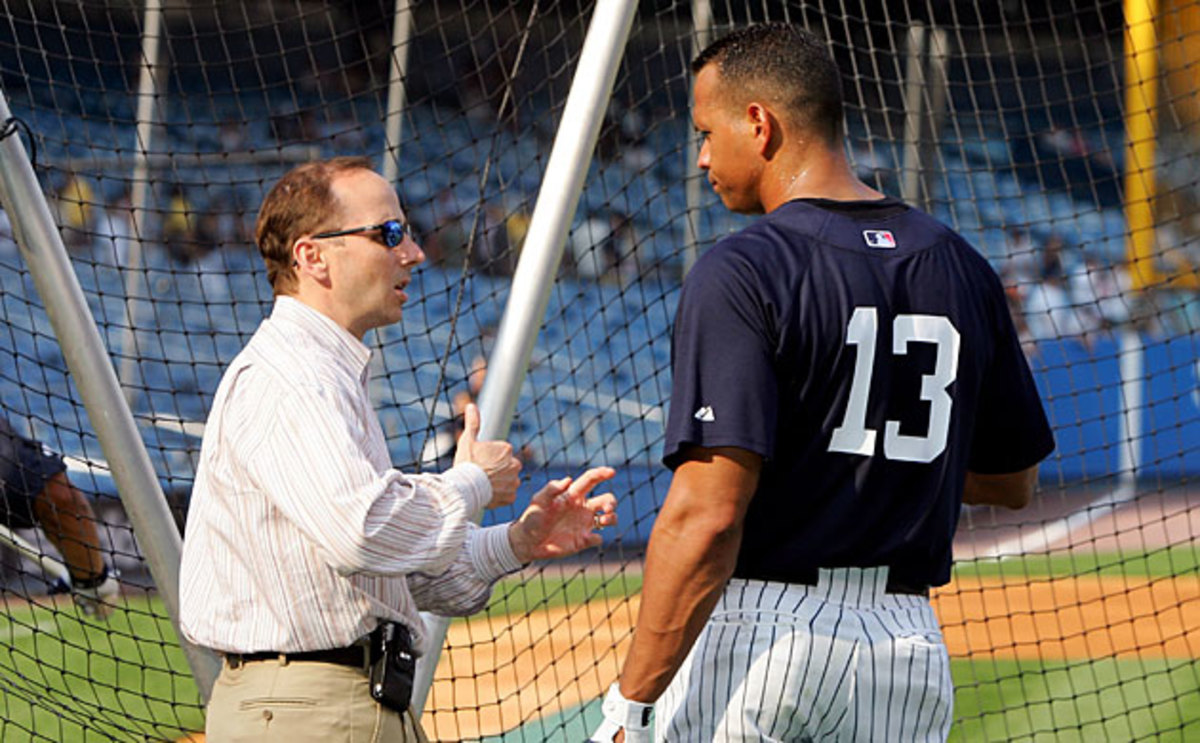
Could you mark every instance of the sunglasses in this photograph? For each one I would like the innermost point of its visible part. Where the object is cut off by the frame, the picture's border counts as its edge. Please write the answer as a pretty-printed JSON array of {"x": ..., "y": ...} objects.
[{"x": 391, "y": 232}]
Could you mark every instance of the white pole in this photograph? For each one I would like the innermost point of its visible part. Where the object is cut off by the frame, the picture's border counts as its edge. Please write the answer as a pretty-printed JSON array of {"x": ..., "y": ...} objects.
[
  {"x": 1129, "y": 423},
  {"x": 939, "y": 59},
  {"x": 541, "y": 254},
  {"x": 149, "y": 82},
  {"x": 914, "y": 82},
  {"x": 701, "y": 37},
  {"x": 402, "y": 23},
  {"x": 92, "y": 372}
]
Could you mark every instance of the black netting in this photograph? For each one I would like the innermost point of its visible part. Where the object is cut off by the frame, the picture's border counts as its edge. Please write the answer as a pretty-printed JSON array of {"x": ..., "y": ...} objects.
[{"x": 1011, "y": 121}]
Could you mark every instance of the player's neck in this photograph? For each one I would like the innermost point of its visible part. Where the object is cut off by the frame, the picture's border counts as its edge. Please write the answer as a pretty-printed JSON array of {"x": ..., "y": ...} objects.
[{"x": 817, "y": 173}]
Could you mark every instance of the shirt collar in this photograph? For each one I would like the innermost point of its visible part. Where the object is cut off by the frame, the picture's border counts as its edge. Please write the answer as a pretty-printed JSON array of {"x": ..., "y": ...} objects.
[{"x": 320, "y": 329}]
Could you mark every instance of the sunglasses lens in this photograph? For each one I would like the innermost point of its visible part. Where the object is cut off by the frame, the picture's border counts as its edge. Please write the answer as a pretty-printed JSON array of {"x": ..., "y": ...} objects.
[{"x": 393, "y": 233}]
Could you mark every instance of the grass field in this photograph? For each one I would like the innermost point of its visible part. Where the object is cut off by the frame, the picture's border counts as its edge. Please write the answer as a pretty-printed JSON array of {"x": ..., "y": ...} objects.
[
  {"x": 63, "y": 678},
  {"x": 66, "y": 678}
]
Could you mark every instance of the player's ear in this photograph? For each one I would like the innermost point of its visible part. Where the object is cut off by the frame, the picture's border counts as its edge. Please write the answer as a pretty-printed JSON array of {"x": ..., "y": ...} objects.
[{"x": 764, "y": 127}]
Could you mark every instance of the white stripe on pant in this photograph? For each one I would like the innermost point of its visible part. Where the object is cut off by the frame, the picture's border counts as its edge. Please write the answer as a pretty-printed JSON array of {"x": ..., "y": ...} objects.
[{"x": 842, "y": 661}]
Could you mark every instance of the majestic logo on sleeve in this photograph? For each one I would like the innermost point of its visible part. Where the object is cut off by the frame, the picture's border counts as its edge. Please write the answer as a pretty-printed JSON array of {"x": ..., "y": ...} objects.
[
  {"x": 705, "y": 414},
  {"x": 879, "y": 238}
]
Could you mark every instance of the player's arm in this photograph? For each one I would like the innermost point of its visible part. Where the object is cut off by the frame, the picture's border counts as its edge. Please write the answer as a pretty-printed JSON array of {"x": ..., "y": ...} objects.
[
  {"x": 692, "y": 553},
  {"x": 1011, "y": 489},
  {"x": 67, "y": 520}
]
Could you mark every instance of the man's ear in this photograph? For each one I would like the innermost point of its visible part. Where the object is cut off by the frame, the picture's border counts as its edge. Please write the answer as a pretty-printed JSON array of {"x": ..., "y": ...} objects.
[
  {"x": 763, "y": 125},
  {"x": 309, "y": 259}
]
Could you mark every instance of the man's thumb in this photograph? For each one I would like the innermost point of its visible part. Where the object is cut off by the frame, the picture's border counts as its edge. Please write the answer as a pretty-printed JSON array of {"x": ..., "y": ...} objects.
[{"x": 471, "y": 421}]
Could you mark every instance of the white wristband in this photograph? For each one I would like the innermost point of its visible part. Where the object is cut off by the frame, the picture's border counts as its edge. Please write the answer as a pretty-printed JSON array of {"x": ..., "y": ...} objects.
[{"x": 621, "y": 713}]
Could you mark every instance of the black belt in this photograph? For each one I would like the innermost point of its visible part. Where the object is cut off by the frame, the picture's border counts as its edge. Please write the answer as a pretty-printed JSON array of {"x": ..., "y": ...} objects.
[
  {"x": 808, "y": 577},
  {"x": 354, "y": 656}
]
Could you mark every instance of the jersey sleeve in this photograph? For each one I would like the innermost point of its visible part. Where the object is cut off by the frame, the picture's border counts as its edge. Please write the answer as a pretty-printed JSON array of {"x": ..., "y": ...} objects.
[
  {"x": 1011, "y": 429},
  {"x": 724, "y": 388}
]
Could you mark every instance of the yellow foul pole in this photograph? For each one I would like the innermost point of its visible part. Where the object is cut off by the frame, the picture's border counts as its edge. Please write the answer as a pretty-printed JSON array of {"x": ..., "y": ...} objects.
[{"x": 1141, "y": 104}]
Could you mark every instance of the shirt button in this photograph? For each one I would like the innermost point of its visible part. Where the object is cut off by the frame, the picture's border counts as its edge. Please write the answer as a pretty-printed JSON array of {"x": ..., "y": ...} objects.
[{"x": 268, "y": 714}]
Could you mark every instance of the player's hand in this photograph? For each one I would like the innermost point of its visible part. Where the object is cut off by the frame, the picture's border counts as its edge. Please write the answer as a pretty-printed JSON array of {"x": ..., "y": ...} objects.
[
  {"x": 98, "y": 601},
  {"x": 562, "y": 520},
  {"x": 624, "y": 720},
  {"x": 494, "y": 457}
]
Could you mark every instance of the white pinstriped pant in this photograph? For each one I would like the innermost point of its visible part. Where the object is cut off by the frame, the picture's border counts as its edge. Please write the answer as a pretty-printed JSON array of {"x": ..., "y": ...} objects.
[{"x": 839, "y": 661}]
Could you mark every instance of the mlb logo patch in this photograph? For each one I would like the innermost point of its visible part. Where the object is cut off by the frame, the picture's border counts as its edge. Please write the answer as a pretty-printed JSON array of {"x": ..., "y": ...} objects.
[{"x": 879, "y": 238}]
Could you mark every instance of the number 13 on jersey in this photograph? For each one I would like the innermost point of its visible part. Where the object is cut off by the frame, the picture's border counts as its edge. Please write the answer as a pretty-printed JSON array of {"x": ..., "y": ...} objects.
[{"x": 853, "y": 436}]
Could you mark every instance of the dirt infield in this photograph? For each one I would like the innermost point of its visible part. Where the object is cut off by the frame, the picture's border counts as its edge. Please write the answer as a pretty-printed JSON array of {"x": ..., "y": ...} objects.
[
  {"x": 520, "y": 669},
  {"x": 1072, "y": 618}
]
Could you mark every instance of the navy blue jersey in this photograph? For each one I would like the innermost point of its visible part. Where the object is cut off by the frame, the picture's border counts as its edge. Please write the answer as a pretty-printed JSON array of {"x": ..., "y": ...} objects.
[{"x": 865, "y": 350}]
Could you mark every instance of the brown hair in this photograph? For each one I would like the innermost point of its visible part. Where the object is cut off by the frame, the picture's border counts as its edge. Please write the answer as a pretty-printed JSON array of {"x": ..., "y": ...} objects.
[{"x": 301, "y": 203}]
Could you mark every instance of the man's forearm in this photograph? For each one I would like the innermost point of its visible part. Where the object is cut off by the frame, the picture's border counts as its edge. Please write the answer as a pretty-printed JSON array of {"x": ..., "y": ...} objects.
[{"x": 688, "y": 563}]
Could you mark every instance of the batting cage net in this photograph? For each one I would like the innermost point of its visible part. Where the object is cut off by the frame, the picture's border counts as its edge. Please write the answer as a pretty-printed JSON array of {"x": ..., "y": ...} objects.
[{"x": 1059, "y": 138}]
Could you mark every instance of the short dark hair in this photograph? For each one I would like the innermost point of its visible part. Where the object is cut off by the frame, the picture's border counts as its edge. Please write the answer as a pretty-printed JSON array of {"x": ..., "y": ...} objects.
[
  {"x": 301, "y": 203},
  {"x": 786, "y": 64}
]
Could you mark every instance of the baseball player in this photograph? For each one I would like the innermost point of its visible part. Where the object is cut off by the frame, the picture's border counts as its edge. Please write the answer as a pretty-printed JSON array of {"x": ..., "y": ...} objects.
[
  {"x": 845, "y": 376},
  {"x": 35, "y": 491}
]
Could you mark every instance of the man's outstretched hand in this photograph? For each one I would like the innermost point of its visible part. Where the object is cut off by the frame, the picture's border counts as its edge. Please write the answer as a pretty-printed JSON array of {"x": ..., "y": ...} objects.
[{"x": 562, "y": 520}]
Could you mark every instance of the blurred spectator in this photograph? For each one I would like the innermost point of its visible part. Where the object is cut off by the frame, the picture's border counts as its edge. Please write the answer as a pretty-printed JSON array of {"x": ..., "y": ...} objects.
[
  {"x": 517, "y": 227},
  {"x": 446, "y": 243},
  {"x": 1020, "y": 252},
  {"x": 1049, "y": 311},
  {"x": 115, "y": 233},
  {"x": 1065, "y": 142},
  {"x": 294, "y": 126},
  {"x": 1099, "y": 291},
  {"x": 493, "y": 254},
  {"x": 75, "y": 201},
  {"x": 1053, "y": 258},
  {"x": 178, "y": 226},
  {"x": 1014, "y": 292},
  {"x": 232, "y": 136},
  {"x": 590, "y": 248},
  {"x": 621, "y": 247},
  {"x": 208, "y": 258}
]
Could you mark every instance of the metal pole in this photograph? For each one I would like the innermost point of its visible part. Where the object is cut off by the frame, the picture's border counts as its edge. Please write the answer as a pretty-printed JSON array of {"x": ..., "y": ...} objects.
[
  {"x": 139, "y": 200},
  {"x": 1132, "y": 365},
  {"x": 401, "y": 32},
  {"x": 914, "y": 81},
  {"x": 939, "y": 56},
  {"x": 541, "y": 254},
  {"x": 91, "y": 370},
  {"x": 701, "y": 38}
]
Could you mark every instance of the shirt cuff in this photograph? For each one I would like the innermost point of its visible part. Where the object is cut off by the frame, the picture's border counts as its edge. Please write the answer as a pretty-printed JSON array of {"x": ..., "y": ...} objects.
[
  {"x": 491, "y": 552},
  {"x": 471, "y": 481}
]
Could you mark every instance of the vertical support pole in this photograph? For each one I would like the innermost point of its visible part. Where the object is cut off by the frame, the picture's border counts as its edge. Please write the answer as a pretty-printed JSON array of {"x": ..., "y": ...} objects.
[
  {"x": 541, "y": 254},
  {"x": 936, "y": 83},
  {"x": 402, "y": 22},
  {"x": 914, "y": 84},
  {"x": 1141, "y": 126},
  {"x": 92, "y": 372},
  {"x": 1129, "y": 425},
  {"x": 693, "y": 183},
  {"x": 149, "y": 90}
]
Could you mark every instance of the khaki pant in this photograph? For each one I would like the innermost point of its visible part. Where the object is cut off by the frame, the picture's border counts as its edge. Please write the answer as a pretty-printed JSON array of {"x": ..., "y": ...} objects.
[{"x": 270, "y": 700}]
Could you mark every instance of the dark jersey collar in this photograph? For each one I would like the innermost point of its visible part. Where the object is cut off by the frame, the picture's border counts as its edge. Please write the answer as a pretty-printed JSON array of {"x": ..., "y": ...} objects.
[{"x": 888, "y": 206}]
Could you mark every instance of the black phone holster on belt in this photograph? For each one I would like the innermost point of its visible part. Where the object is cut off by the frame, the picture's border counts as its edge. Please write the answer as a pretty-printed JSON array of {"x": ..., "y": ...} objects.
[{"x": 392, "y": 666}]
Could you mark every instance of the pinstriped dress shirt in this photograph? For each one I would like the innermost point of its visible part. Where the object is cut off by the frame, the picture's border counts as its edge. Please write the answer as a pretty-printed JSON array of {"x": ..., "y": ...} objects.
[{"x": 301, "y": 535}]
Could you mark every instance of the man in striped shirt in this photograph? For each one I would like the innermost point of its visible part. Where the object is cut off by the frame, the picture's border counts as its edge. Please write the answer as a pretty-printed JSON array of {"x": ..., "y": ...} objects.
[{"x": 302, "y": 538}]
